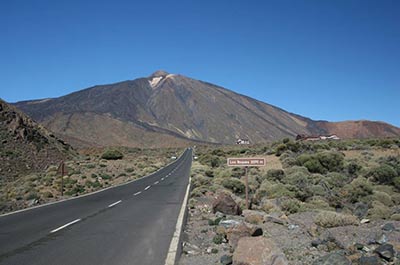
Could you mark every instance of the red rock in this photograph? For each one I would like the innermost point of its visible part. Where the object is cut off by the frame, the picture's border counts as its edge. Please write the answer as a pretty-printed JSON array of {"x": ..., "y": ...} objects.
[
  {"x": 225, "y": 204},
  {"x": 258, "y": 251}
]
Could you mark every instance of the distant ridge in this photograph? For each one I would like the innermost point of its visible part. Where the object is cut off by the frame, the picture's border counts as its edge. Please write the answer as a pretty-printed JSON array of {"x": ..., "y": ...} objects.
[{"x": 170, "y": 109}]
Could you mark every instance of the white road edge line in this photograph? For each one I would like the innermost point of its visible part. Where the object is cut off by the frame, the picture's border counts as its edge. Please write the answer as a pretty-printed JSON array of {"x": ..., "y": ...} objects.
[
  {"x": 64, "y": 226},
  {"x": 137, "y": 193},
  {"x": 113, "y": 204},
  {"x": 173, "y": 247},
  {"x": 148, "y": 187}
]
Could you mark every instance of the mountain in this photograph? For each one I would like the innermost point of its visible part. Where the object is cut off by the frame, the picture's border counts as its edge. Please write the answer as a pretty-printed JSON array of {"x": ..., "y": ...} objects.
[
  {"x": 169, "y": 109},
  {"x": 25, "y": 145}
]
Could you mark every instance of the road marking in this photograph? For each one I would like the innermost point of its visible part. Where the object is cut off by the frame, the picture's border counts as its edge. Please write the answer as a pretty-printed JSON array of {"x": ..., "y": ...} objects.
[
  {"x": 176, "y": 238},
  {"x": 162, "y": 179},
  {"x": 64, "y": 226},
  {"x": 113, "y": 204},
  {"x": 148, "y": 187},
  {"x": 137, "y": 193},
  {"x": 156, "y": 182}
]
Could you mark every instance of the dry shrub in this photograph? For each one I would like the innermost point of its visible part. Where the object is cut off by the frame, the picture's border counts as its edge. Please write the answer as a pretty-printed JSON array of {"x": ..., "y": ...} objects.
[
  {"x": 333, "y": 219},
  {"x": 379, "y": 211}
]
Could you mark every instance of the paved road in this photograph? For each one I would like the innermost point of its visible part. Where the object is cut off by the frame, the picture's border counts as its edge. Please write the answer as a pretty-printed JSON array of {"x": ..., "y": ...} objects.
[{"x": 128, "y": 224}]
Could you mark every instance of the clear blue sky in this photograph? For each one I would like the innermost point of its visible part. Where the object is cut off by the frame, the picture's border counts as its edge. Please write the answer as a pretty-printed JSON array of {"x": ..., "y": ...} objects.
[{"x": 333, "y": 60}]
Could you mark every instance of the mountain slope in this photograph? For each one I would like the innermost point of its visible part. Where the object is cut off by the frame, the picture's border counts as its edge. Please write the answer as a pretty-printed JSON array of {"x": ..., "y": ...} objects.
[
  {"x": 25, "y": 145},
  {"x": 155, "y": 110}
]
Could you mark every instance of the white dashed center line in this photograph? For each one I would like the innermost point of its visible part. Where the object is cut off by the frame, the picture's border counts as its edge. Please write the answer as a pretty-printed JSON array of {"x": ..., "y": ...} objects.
[
  {"x": 156, "y": 182},
  {"x": 148, "y": 187},
  {"x": 162, "y": 179},
  {"x": 137, "y": 193},
  {"x": 64, "y": 226},
  {"x": 113, "y": 204}
]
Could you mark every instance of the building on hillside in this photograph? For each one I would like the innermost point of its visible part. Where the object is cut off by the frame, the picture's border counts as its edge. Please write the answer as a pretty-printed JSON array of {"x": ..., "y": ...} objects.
[
  {"x": 242, "y": 141},
  {"x": 303, "y": 137}
]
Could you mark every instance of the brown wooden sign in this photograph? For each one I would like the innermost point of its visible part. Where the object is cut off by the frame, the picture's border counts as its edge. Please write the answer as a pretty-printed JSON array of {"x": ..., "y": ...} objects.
[{"x": 246, "y": 162}]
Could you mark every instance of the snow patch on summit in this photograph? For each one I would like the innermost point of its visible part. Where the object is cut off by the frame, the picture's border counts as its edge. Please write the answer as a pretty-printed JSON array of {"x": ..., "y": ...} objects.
[{"x": 154, "y": 82}]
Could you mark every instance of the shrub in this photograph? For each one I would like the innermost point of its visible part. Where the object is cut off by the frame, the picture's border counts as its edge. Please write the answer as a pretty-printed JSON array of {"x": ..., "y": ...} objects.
[
  {"x": 129, "y": 170},
  {"x": 317, "y": 203},
  {"x": 332, "y": 161},
  {"x": 112, "y": 155},
  {"x": 233, "y": 184},
  {"x": 218, "y": 239},
  {"x": 395, "y": 217},
  {"x": 290, "y": 206},
  {"x": 383, "y": 174},
  {"x": 288, "y": 162},
  {"x": 379, "y": 211},
  {"x": 273, "y": 190},
  {"x": 209, "y": 173},
  {"x": 382, "y": 197},
  {"x": 336, "y": 179},
  {"x": 396, "y": 182},
  {"x": 105, "y": 176},
  {"x": 199, "y": 180},
  {"x": 275, "y": 174},
  {"x": 359, "y": 188},
  {"x": 353, "y": 168},
  {"x": 48, "y": 194},
  {"x": 280, "y": 149},
  {"x": 322, "y": 162},
  {"x": 333, "y": 219}
]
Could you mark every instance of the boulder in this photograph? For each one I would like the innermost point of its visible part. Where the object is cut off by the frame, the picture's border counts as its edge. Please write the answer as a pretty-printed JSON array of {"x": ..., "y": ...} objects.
[
  {"x": 389, "y": 227},
  {"x": 386, "y": 251},
  {"x": 226, "y": 260},
  {"x": 233, "y": 234},
  {"x": 372, "y": 260},
  {"x": 225, "y": 204},
  {"x": 360, "y": 210},
  {"x": 258, "y": 251},
  {"x": 254, "y": 218},
  {"x": 333, "y": 259}
]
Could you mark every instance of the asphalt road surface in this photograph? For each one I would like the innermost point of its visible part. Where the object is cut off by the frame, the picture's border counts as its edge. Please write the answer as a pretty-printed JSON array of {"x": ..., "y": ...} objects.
[{"x": 128, "y": 224}]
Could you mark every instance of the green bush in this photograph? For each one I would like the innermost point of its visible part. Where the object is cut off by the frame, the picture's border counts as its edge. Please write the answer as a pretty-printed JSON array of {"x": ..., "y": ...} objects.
[
  {"x": 383, "y": 174},
  {"x": 382, "y": 197},
  {"x": 396, "y": 182},
  {"x": 105, "y": 176},
  {"x": 234, "y": 184},
  {"x": 199, "y": 180},
  {"x": 275, "y": 174},
  {"x": 332, "y": 161},
  {"x": 290, "y": 206},
  {"x": 379, "y": 211},
  {"x": 336, "y": 179},
  {"x": 218, "y": 239},
  {"x": 274, "y": 190},
  {"x": 280, "y": 149},
  {"x": 112, "y": 155},
  {"x": 358, "y": 188},
  {"x": 322, "y": 162}
]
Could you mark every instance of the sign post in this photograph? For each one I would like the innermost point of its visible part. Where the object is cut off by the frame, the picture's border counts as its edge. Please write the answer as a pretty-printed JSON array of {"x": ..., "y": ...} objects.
[
  {"x": 61, "y": 169},
  {"x": 246, "y": 162}
]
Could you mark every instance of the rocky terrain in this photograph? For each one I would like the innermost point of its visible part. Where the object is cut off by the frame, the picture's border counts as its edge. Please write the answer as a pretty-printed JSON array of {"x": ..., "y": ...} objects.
[
  {"x": 173, "y": 110},
  {"x": 314, "y": 203},
  {"x": 25, "y": 145}
]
